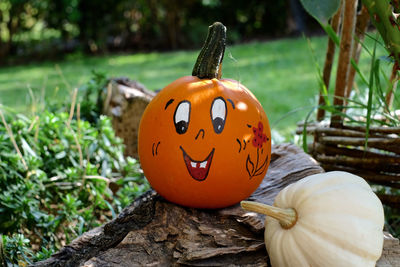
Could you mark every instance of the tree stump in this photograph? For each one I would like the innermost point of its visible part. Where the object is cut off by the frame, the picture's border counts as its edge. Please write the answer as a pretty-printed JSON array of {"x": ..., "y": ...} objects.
[
  {"x": 125, "y": 101},
  {"x": 154, "y": 232}
]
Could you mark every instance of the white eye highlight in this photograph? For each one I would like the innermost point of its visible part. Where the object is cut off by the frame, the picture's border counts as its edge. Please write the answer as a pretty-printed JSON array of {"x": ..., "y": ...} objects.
[
  {"x": 218, "y": 114},
  {"x": 182, "y": 116},
  {"x": 218, "y": 109}
]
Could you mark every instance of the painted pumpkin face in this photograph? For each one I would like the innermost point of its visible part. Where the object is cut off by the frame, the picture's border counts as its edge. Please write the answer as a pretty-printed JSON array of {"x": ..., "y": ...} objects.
[{"x": 204, "y": 143}]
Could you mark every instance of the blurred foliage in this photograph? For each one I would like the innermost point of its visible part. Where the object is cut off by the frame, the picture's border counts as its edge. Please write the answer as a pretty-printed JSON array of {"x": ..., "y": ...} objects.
[
  {"x": 46, "y": 28},
  {"x": 69, "y": 177}
]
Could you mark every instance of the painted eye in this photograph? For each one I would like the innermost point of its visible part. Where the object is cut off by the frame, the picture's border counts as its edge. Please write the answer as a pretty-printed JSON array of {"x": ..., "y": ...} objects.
[
  {"x": 181, "y": 117},
  {"x": 218, "y": 114}
]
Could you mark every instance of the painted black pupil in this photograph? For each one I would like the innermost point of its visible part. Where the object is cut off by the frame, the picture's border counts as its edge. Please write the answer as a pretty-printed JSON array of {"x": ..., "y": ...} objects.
[
  {"x": 218, "y": 124},
  {"x": 181, "y": 127}
]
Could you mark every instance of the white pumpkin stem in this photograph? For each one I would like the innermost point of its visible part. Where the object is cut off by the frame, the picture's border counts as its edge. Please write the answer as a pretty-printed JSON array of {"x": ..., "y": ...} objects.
[{"x": 286, "y": 217}]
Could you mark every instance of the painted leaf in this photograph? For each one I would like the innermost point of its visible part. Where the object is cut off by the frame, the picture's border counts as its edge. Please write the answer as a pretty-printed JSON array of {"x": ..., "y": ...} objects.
[
  {"x": 261, "y": 169},
  {"x": 321, "y": 10},
  {"x": 249, "y": 166}
]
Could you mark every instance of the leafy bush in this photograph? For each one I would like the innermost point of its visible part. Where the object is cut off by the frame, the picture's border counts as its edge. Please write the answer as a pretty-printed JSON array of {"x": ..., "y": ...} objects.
[{"x": 69, "y": 177}]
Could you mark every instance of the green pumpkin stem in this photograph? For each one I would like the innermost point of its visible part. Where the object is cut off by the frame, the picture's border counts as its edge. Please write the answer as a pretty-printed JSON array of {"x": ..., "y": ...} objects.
[{"x": 209, "y": 61}]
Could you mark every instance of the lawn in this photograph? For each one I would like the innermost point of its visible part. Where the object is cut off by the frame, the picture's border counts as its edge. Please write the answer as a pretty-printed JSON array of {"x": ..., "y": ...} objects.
[{"x": 281, "y": 73}]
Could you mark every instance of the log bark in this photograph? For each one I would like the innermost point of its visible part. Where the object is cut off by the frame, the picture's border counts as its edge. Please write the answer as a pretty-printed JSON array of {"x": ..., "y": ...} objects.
[
  {"x": 154, "y": 232},
  {"x": 390, "y": 255},
  {"x": 125, "y": 102}
]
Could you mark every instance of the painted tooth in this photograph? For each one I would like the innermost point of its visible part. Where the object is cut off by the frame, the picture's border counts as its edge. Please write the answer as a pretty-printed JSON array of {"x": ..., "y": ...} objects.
[
  {"x": 203, "y": 164},
  {"x": 193, "y": 164}
]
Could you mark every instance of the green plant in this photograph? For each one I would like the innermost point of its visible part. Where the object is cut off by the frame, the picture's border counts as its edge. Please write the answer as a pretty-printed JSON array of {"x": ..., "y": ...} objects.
[
  {"x": 379, "y": 86},
  {"x": 16, "y": 248},
  {"x": 368, "y": 107},
  {"x": 90, "y": 101},
  {"x": 69, "y": 176},
  {"x": 384, "y": 15}
]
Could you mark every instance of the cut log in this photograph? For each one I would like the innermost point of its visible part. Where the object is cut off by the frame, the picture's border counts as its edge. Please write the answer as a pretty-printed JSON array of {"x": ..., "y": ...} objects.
[
  {"x": 125, "y": 102},
  {"x": 154, "y": 232},
  {"x": 390, "y": 254}
]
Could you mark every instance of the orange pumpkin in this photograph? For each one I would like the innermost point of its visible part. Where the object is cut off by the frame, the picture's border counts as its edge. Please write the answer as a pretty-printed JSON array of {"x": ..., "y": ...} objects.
[{"x": 205, "y": 142}]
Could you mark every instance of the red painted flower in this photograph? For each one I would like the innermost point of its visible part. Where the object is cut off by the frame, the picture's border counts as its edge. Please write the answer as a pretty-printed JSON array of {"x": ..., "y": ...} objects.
[{"x": 259, "y": 136}]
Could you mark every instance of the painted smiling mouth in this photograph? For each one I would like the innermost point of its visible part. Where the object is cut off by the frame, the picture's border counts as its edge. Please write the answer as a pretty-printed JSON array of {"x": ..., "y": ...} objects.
[{"x": 198, "y": 169}]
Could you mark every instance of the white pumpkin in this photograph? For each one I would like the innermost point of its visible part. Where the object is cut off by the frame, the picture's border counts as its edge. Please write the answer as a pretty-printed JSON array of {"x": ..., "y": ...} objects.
[{"x": 327, "y": 219}]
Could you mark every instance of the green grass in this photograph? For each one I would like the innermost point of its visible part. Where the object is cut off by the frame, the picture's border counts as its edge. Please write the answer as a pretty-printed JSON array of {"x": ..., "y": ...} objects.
[{"x": 282, "y": 75}]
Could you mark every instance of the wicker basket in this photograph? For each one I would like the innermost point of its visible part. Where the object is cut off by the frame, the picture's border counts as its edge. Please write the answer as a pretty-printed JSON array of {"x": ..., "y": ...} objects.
[{"x": 376, "y": 159}]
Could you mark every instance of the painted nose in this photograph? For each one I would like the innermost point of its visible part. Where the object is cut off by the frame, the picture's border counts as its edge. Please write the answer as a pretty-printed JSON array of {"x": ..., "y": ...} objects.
[{"x": 200, "y": 133}]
